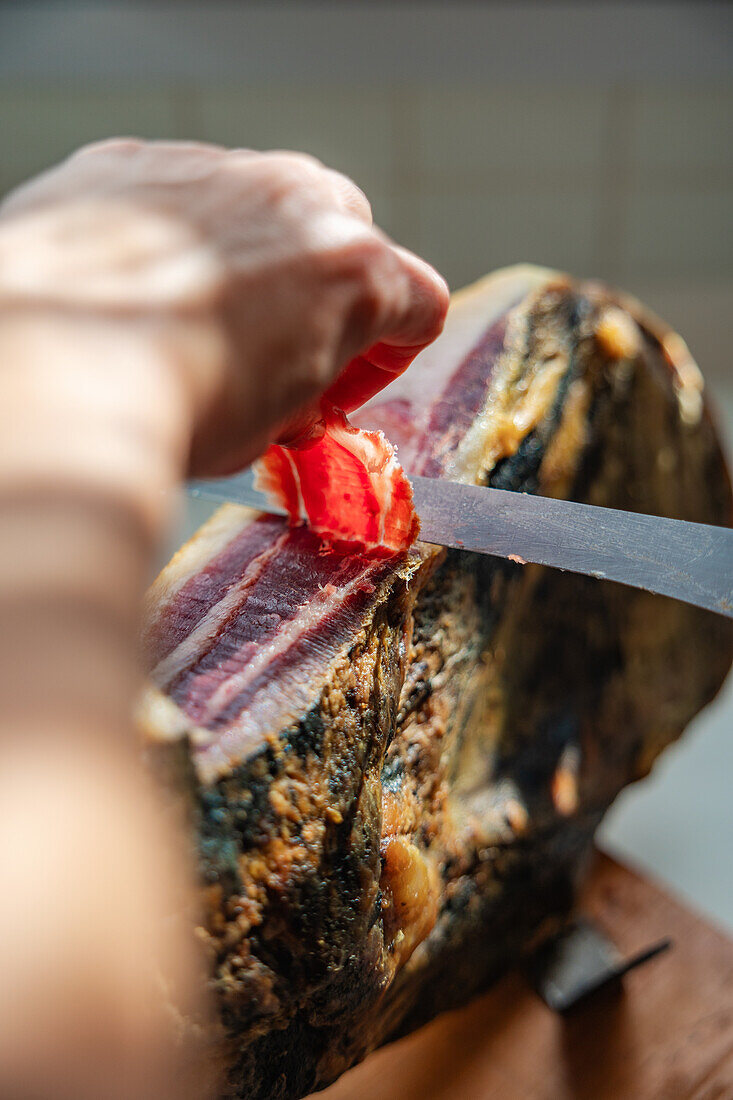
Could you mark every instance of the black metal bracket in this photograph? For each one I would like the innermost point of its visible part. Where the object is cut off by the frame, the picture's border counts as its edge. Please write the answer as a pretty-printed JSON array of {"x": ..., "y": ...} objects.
[{"x": 579, "y": 963}]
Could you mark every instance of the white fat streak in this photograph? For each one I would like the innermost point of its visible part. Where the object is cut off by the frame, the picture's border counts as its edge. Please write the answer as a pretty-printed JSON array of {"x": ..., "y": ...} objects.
[
  {"x": 386, "y": 503},
  {"x": 302, "y": 512},
  {"x": 389, "y": 471},
  {"x": 210, "y": 539},
  {"x": 187, "y": 651},
  {"x": 266, "y": 482},
  {"x": 308, "y": 616}
]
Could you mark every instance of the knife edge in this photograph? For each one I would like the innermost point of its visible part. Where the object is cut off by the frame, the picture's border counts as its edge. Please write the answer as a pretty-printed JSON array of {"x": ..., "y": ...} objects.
[{"x": 692, "y": 562}]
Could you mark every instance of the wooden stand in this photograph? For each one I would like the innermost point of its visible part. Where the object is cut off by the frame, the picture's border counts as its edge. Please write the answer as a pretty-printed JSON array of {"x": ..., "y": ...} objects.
[{"x": 667, "y": 1035}]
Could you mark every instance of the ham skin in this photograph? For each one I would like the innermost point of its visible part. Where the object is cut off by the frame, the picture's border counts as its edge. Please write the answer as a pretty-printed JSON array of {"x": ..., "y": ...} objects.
[{"x": 391, "y": 766}]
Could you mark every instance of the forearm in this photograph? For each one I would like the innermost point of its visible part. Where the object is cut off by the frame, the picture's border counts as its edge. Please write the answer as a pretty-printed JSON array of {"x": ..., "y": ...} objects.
[{"x": 94, "y": 430}]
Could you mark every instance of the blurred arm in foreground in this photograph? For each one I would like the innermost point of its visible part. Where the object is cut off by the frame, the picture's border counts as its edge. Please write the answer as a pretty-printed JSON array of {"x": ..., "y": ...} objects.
[{"x": 164, "y": 309}]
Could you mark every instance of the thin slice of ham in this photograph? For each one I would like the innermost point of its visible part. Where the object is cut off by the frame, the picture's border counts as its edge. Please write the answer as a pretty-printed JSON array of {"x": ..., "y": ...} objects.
[
  {"x": 346, "y": 485},
  {"x": 345, "y": 482}
]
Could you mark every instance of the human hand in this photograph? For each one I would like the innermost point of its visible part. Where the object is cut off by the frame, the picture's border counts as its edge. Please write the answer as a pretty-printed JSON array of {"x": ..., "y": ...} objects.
[
  {"x": 261, "y": 274},
  {"x": 163, "y": 308}
]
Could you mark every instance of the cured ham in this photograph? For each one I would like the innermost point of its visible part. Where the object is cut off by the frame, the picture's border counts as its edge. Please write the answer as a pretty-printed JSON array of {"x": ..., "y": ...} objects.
[{"x": 393, "y": 765}]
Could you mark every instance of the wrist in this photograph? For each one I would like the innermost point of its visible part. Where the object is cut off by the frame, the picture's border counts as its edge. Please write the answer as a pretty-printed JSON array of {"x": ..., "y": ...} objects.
[
  {"x": 94, "y": 433},
  {"x": 91, "y": 408}
]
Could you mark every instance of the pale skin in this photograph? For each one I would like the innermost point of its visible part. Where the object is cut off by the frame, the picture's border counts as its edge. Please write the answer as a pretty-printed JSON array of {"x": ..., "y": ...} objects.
[{"x": 165, "y": 309}]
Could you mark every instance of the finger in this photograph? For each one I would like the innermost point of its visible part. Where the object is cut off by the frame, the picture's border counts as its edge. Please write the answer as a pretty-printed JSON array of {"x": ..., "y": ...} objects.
[
  {"x": 415, "y": 323},
  {"x": 359, "y": 381},
  {"x": 350, "y": 198},
  {"x": 328, "y": 183},
  {"x": 423, "y": 316}
]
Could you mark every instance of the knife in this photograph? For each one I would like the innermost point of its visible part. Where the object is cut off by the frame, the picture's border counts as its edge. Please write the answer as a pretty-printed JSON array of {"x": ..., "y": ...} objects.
[{"x": 692, "y": 562}]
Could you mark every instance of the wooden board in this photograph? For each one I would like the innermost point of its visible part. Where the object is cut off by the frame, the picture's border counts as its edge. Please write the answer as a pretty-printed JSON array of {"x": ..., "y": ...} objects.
[{"x": 667, "y": 1036}]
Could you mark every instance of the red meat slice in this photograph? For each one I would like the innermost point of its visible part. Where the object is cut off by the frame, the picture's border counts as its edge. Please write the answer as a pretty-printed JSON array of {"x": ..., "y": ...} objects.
[
  {"x": 347, "y": 486},
  {"x": 346, "y": 483}
]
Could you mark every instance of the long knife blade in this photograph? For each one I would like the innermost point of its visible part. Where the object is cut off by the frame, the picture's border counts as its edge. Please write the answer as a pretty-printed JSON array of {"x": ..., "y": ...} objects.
[{"x": 692, "y": 562}]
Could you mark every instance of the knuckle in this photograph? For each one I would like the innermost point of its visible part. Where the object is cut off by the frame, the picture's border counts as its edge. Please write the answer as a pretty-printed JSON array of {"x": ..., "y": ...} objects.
[
  {"x": 369, "y": 261},
  {"x": 283, "y": 177},
  {"x": 351, "y": 196},
  {"x": 122, "y": 145},
  {"x": 237, "y": 158},
  {"x": 370, "y": 272},
  {"x": 303, "y": 162},
  {"x": 296, "y": 168}
]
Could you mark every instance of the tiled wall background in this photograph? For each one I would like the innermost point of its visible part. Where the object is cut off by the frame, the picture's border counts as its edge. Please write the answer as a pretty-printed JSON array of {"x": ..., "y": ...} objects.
[
  {"x": 633, "y": 184},
  {"x": 617, "y": 161},
  {"x": 592, "y": 137}
]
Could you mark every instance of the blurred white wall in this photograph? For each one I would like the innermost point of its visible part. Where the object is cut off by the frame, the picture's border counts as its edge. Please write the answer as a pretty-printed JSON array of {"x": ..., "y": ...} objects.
[{"x": 595, "y": 137}]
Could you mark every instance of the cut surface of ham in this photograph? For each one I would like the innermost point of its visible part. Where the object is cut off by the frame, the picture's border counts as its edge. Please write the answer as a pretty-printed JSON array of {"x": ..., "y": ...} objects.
[{"x": 242, "y": 641}]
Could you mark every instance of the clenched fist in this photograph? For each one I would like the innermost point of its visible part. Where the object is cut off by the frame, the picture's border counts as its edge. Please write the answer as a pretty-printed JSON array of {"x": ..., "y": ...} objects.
[{"x": 268, "y": 263}]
